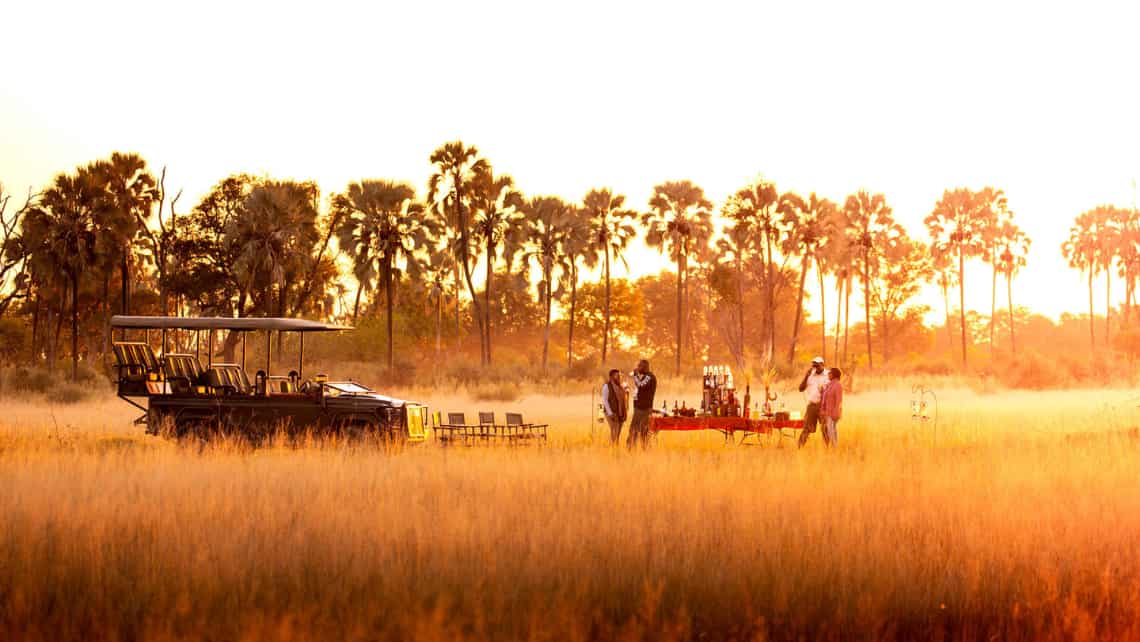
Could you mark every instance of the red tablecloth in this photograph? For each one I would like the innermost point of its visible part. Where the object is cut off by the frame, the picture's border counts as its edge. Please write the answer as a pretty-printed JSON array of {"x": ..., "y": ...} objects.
[{"x": 721, "y": 424}]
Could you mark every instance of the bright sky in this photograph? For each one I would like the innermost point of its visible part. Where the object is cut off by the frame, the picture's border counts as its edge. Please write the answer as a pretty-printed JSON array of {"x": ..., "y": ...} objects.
[{"x": 1039, "y": 99}]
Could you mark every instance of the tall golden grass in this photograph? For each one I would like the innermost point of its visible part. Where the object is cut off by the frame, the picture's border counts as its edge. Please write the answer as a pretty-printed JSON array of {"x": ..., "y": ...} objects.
[{"x": 1019, "y": 519}]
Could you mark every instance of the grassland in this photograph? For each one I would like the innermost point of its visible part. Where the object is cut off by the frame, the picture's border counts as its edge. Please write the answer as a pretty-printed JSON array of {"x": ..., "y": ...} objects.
[{"x": 1017, "y": 518}]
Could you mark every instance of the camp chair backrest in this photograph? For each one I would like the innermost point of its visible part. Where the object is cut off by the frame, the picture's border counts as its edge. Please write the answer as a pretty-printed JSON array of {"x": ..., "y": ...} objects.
[
  {"x": 486, "y": 418},
  {"x": 182, "y": 365},
  {"x": 456, "y": 419},
  {"x": 514, "y": 419},
  {"x": 437, "y": 418}
]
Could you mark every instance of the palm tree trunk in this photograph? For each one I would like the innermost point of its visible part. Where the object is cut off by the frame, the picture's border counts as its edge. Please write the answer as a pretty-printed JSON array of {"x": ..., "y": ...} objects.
[
  {"x": 388, "y": 302},
  {"x": 771, "y": 302},
  {"x": 740, "y": 311},
  {"x": 993, "y": 299},
  {"x": 1092, "y": 331},
  {"x": 847, "y": 316},
  {"x": 546, "y": 270},
  {"x": 886, "y": 337},
  {"x": 124, "y": 273},
  {"x": 867, "y": 304},
  {"x": 606, "y": 325},
  {"x": 1009, "y": 303},
  {"x": 356, "y": 303},
  {"x": 822, "y": 312},
  {"x": 487, "y": 297},
  {"x": 799, "y": 307},
  {"x": 840, "y": 279},
  {"x": 677, "y": 353},
  {"x": 962, "y": 297},
  {"x": 949, "y": 329},
  {"x": 573, "y": 312},
  {"x": 1107, "y": 305},
  {"x": 75, "y": 325},
  {"x": 464, "y": 258},
  {"x": 438, "y": 325}
]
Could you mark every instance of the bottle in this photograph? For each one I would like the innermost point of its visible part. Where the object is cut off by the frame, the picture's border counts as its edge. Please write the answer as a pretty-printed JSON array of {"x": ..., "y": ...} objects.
[{"x": 747, "y": 398}]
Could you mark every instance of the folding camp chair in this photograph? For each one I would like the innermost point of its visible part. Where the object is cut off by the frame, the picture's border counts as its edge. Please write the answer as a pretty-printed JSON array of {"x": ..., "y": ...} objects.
[{"x": 523, "y": 430}]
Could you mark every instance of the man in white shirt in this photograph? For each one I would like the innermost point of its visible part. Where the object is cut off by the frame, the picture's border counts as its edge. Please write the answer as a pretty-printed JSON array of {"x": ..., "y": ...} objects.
[
  {"x": 614, "y": 404},
  {"x": 812, "y": 386}
]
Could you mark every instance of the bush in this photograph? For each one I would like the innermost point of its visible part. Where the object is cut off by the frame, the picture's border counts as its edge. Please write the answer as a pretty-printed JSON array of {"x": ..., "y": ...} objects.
[
  {"x": 36, "y": 380},
  {"x": 502, "y": 391},
  {"x": 68, "y": 393}
]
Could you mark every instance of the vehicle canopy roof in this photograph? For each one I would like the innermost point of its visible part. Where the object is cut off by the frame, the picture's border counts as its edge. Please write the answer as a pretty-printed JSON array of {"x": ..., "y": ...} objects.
[{"x": 242, "y": 324}]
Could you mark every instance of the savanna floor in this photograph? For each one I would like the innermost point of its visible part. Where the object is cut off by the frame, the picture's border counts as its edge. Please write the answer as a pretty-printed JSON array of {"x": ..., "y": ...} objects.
[{"x": 1011, "y": 515}]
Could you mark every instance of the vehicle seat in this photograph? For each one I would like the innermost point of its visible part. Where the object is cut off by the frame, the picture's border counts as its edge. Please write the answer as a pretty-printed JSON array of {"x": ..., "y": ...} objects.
[
  {"x": 281, "y": 386},
  {"x": 134, "y": 360},
  {"x": 183, "y": 372},
  {"x": 228, "y": 378}
]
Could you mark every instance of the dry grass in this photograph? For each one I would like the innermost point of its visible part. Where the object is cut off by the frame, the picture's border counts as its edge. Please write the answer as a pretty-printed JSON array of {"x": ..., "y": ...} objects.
[{"x": 1018, "y": 520}]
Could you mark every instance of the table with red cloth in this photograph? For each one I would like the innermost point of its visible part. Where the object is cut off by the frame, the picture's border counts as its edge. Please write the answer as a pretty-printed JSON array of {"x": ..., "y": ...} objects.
[{"x": 727, "y": 426}]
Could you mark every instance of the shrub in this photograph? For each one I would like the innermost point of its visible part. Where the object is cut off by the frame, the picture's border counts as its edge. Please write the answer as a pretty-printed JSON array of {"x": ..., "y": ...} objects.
[
  {"x": 68, "y": 393},
  {"x": 36, "y": 380},
  {"x": 500, "y": 391}
]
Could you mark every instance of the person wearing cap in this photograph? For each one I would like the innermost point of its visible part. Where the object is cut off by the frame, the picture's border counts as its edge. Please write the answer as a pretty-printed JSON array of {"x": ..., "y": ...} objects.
[{"x": 812, "y": 386}]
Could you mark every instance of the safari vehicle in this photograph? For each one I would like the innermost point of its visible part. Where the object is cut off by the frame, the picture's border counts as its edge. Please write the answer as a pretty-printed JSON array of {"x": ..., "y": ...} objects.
[{"x": 179, "y": 395}]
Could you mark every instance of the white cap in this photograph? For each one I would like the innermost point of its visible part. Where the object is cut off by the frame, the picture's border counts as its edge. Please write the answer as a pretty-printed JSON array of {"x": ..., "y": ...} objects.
[{"x": 818, "y": 360}]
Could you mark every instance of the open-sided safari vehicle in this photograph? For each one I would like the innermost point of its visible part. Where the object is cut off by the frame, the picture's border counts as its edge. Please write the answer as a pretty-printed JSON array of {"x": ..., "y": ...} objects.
[{"x": 179, "y": 395}]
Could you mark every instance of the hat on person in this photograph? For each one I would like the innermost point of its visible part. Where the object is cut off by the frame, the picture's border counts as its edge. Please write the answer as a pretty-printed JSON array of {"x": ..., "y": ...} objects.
[{"x": 816, "y": 360}]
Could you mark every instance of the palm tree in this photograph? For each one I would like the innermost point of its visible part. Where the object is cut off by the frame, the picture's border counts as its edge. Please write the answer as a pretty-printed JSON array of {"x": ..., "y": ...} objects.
[
  {"x": 451, "y": 190},
  {"x": 611, "y": 230},
  {"x": 956, "y": 225},
  {"x": 809, "y": 226},
  {"x": 678, "y": 221},
  {"x": 1081, "y": 250},
  {"x": 945, "y": 276},
  {"x": 273, "y": 236},
  {"x": 577, "y": 247},
  {"x": 547, "y": 221},
  {"x": 496, "y": 205},
  {"x": 129, "y": 194},
  {"x": 737, "y": 244},
  {"x": 384, "y": 231},
  {"x": 868, "y": 217},
  {"x": 1012, "y": 259},
  {"x": 755, "y": 207},
  {"x": 60, "y": 232},
  {"x": 996, "y": 223}
]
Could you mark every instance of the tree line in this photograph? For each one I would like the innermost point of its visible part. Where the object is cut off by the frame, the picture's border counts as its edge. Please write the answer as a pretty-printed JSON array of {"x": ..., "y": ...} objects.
[{"x": 474, "y": 256}]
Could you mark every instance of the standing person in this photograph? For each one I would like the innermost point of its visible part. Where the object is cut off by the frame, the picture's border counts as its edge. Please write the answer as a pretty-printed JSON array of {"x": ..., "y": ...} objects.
[
  {"x": 645, "y": 387},
  {"x": 831, "y": 407},
  {"x": 614, "y": 404},
  {"x": 813, "y": 384}
]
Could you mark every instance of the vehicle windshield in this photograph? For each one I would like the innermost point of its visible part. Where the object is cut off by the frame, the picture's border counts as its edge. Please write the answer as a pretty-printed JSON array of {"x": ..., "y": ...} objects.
[{"x": 346, "y": 388}]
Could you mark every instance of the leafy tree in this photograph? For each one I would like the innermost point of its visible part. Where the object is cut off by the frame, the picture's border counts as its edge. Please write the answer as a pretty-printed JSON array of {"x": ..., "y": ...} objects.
[
  {"x": 14, "y": 277},
  {"x": 451, "y": 190},
  {"x": 678, "y": 221},
  {"x": 385, "y": 233},
  {"x": 898, "y": 277},
  {"x": 625, "y": 310},
  {"x": 957, "y": 225},
  {"x": 576, "y": 246},
  {"x": 611, "y": 230}
]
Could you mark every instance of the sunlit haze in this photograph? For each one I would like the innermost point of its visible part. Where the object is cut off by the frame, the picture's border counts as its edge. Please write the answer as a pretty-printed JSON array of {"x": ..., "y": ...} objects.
[{"x": 1037, "y": 99}]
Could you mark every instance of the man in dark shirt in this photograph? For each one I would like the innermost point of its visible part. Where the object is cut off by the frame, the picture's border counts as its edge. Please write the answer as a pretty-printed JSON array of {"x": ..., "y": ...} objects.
[{"x": 645, "y": 387}]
